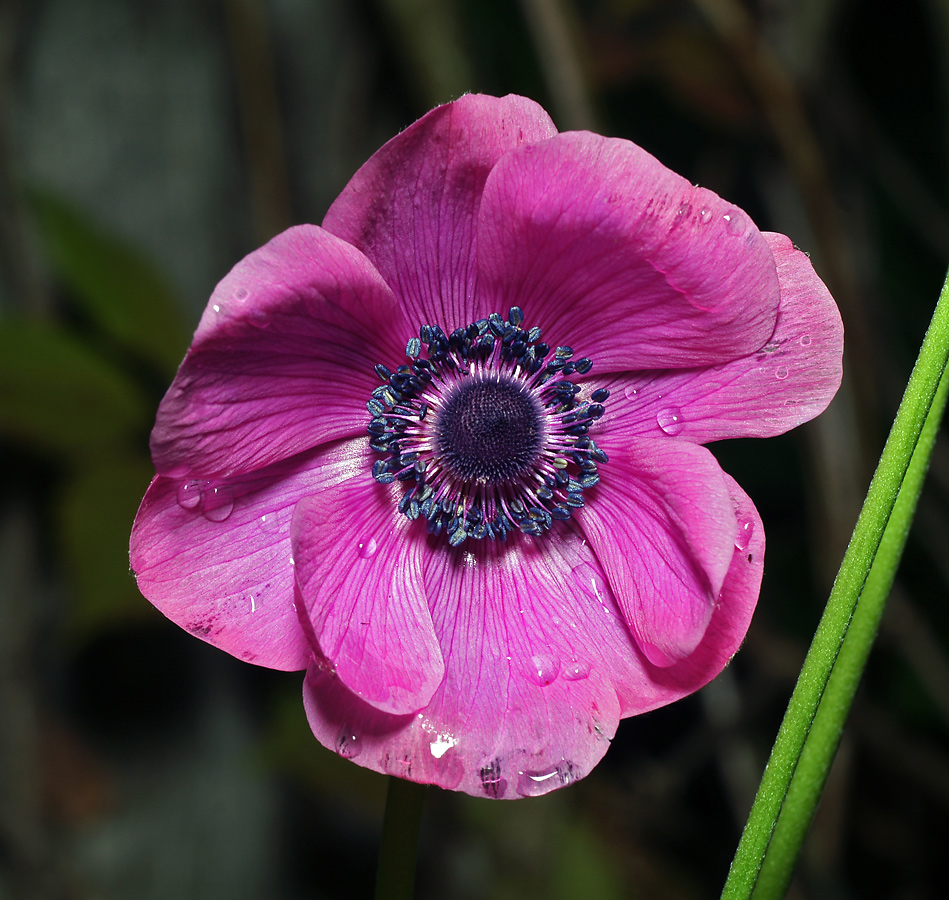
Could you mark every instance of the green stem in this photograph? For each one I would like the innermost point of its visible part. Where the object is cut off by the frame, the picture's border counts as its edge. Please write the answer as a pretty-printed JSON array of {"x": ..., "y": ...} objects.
[
  {"x": 809, "y": 735},
  {"x": 395, "y": 877}
]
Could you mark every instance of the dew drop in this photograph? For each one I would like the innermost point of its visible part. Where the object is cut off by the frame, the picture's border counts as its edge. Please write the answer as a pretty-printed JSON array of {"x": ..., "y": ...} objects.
[
  {"x": 630, "y": 392},
  {"x": 348, "y": 744},
  {"x": 543, "y": 669},
  {"x": 683, "y": 210},
  {"x": 590, "y": 581},
  {"x": 670, "y": 420},
  {"x": 705, "y": 215},
  {"x": 367, "y": 547},
  {"x": 533, "y": 784},
  {"x": 734, "y": 222},
  {"x": 441, "y": 745},
  {"x": 805, "y": 340},
  {"x": 216, "y": 308},
  {"x": 781, "y": 373},
  {"x": 241, "y": 293},
  {"x": 268, "y": 522},
  {"x": 218, "y": 502},
  {"x": 189, "y": 494},
  {"x": 576, "y": 670},
  {"x": 493, "y": 785},
  {"x": 258, "y": 318},
  {"x": 746, "y": 528}
]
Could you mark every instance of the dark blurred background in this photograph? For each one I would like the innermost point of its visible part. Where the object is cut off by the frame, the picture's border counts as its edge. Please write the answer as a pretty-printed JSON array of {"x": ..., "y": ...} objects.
[{"x": 146, "y": 147}]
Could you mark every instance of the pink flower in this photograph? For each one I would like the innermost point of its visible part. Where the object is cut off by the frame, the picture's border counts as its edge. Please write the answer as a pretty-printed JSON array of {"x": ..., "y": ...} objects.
[{"x": 539, "y": 331}]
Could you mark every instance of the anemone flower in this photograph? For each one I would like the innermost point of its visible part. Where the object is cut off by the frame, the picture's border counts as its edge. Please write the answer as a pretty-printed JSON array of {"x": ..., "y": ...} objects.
[{"x": 445, "y": 452}]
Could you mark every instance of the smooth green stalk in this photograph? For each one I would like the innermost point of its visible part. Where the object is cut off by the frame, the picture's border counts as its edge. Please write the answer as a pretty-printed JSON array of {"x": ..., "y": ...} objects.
[
  {"x": 395, "y": 877},
  {"x": 809, "y": 735}
]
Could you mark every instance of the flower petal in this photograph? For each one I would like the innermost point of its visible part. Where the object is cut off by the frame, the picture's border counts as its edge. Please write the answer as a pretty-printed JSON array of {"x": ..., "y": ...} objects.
[
  {"x": 603, "y": 246},
  {"x": 533, "y": 644},
  {"x": 785, "y": 383},
  {"x": 359, "y": 574},
  {"x": 413, "y": 206},
  {"x": 282, "y": 360},
  {"x": 214, "y": 556},
  {"x": 663, "y": 527},
  {"x": 731, "y": 616}
]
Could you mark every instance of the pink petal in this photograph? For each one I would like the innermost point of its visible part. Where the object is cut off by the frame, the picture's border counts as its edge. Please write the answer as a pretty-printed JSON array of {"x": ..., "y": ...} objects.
[
  {"x": 534, "y": 650},
  {"x": 360, "y": 577},
  {"x": 610, "y": 252},
  {"x": 785, "y": 383},
  {"x": 663, "y": 527},
  {"x": 282, "y": 360},
  {"x": 539, "y": 667},
  {"x": 215, "y": 557},
  {"x": 731, "y": 616},
  {"x": 413, "y": 206}
]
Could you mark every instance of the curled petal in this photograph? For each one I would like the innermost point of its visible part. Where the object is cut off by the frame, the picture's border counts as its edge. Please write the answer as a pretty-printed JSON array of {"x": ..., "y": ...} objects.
[
  {"x": 413, "y": 206},
  {"x": 282, "y": 360},
  {"x": 663, "y": 527},
  {"x": 214, "y": 556},
  {"x": 731, "y": 616},
  {"x": 598, "y": 241},
  {"x": 784, "y": 383},
  {"x": 536, "y": 657},
  {"x": 359, "y": 575}
]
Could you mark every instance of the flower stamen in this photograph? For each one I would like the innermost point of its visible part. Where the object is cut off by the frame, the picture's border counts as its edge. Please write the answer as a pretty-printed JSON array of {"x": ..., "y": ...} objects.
[{"x": 490, "y": 432}]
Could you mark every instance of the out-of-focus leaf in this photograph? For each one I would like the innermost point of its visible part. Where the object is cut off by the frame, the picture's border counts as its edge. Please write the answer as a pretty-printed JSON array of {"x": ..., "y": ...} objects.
[
  {"x": 95, "y": 517},
  {"x": 117, "y": 287},
  {"x": 58, "y": 395}
]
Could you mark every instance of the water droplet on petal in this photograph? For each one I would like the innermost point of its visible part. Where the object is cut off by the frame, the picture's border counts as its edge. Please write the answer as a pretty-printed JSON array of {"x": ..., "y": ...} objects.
[
  {"x": 218, "y": 502},
  {"x": 189, "y": 494},
  {"x": 576, "y": 670},
  {"x": 441, "y": 745},
  {"x": 533, "y": 784},
  {"x": 216, "y": 308},
  {"x": 268, "y": 522},
  {"x": 734, "y": 221},
  {"x": 493, "y": 785},
  {"x": 670, "y": 420},
  {"x": 630, "y": 392},
  {"x": 241, "y": 293},
  {"x": 543, "y": 669},
  {"x": 705, "y": 215},
  {"x": 781, "y": 373},
  {"x": 746, "y": 528},
  {"x": 805, "y": 340},
  {"x": 258, "y": 318},
  {"x": 348, "y": 743},
  {"x": 683, "y": 210},
  {"x": 590, "y": 581},
  {"x": 367, "y": 547}
]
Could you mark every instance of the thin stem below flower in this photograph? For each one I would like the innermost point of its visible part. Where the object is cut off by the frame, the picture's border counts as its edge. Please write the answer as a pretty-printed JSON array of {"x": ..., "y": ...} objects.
[
  {"x": 809, "y": 735},
  {"x": 395, "y": 877}
]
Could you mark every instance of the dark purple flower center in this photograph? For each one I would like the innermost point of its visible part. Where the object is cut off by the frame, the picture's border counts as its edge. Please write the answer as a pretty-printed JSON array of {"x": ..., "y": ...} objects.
[
  {"x": 489, "y": 430},
  {"x": 486, "y": 429}
]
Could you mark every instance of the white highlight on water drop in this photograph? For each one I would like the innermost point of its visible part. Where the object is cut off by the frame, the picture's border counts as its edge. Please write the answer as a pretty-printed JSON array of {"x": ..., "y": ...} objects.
[
  {"x": 544, "y": 669},
  {"x": 218, "y": 502},
  {"x": 441, "y": 745},
  {"x": 576, "y": 670},
  {"x": 746, "y": 528},
  {"x": 670, "y": 420},
  {"x": 189, "y": 494},
  {"x": 367, "y": 547}
]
